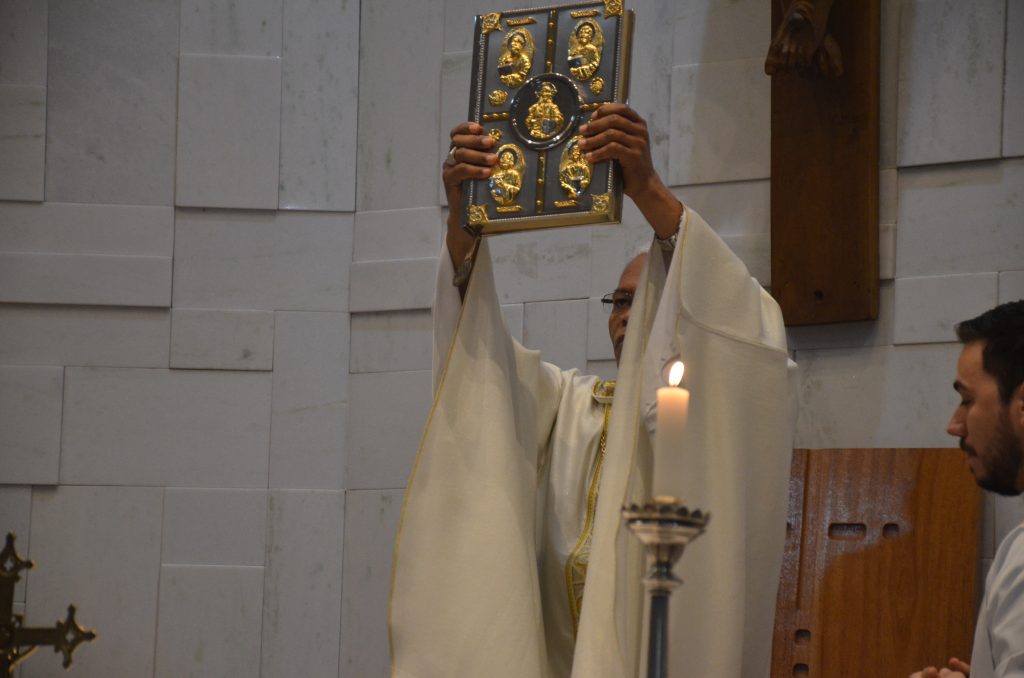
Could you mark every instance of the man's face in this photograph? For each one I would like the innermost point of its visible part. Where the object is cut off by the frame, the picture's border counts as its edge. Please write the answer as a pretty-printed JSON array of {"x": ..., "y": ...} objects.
[
  {"x": 619, "y": 317},
  {"x": 990, "y": 431}
]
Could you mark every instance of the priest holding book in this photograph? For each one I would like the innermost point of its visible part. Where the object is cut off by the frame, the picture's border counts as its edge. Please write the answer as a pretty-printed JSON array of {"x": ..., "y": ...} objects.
[{"x": 511, "y": 559}]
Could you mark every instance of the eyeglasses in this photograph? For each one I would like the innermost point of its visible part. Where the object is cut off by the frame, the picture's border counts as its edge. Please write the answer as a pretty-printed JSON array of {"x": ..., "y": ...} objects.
[{"x": 617, "y": 302}]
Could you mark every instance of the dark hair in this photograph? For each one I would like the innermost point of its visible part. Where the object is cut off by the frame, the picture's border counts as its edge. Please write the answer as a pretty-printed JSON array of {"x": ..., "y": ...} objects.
[{"x": 1002, "y": 330}]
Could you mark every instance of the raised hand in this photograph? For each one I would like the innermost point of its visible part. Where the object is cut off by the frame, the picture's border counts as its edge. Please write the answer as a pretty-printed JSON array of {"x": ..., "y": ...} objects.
[
  {"x": 617, "y": 132},
  {"x": 469, "y": 158}
]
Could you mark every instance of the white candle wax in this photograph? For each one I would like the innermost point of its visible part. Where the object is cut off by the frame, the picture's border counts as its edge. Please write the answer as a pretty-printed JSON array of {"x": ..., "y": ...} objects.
[{"x": 673, "y": 407}]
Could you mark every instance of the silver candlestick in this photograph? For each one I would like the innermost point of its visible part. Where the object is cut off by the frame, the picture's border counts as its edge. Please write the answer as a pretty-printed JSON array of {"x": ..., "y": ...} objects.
[{"x": 664, "y": 526}]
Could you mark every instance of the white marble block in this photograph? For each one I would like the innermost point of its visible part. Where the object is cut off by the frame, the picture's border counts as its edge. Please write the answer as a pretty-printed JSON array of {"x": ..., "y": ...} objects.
[
  {"x": 721, "y": 122},
  {"x": 888, "y": 85},
  {"x": 23, "y": 42},
  {"x": 397, "y": 285},
  {"x": 876, "y": 332},
  {"x": 100, "y": 548},
  {"x": 755, "y": 251},
  {"x": 302, "y": 594},
  {"x": 650, "y": 86},
  {"x": 1011, "y": 286},
  {"x": 399, "y": 62},
  {"x": 928, "y": 308},
  {"x": 558, "y": 329},
  {"x": 94, "y": 279},
  {"x": 387, "y": 419},
  {"x": 513, "y": 314},
  {"x": 950, "y": 80},
  {"x": 76, "y": 228},
  {"x": 397, "y": 234},
  {"x": 209, "y": 621},
  {"x": 546, "y": 265},
  {"x": 223, "y": 27},
  {"x": 604, "y": 369},
  {"x": 886, "y": 251},
  {"x": 319, "y": 105},
  {"x": 886, "y": 396},
  {"x": 962, "y": 218},
  {"x": 307, "y": 442},
  {"x": 611, "y": 249},
  {"x": 737, "y": 207},
  {"x": 15, "y": 512},
  {"x": 84, "y": 335},
  {"x": 22, "y": 141},
  {"x": 30, "y": 424},
  {"x": 456, "y": 69},
  {"x": 112, "y": 72},
  {"x": 371, "y": 521},
  {"x": 1013, "y": 87},
  {"x": 222, "y": 340},
  {"x": 229, "y": 129},
  {"x": 214, "y": 527},
  {"x": 888, "y": 196},
  {"x": 459, "y": 17},
  {"x": 721, "y": 30},
  {"x": 165, "y": 427},
  {"x": 391, "y": 341},
  {"x": 275, "y": 261}
]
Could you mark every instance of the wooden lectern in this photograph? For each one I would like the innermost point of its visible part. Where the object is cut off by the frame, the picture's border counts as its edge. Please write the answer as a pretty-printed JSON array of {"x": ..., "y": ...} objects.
[{"x": 880, "y": 566}]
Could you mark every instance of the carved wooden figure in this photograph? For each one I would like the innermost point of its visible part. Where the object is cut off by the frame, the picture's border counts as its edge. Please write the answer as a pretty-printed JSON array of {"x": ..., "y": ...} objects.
[{"x": 802, "y": 43}]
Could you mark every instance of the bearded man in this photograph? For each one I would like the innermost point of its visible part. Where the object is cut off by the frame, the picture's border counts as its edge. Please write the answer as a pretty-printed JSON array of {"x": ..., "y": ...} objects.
[{"x": 989, "y": 421}]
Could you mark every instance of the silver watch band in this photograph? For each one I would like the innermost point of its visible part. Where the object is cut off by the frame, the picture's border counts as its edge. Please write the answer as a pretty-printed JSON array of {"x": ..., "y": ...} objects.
[{"x": 667, "y": 244}]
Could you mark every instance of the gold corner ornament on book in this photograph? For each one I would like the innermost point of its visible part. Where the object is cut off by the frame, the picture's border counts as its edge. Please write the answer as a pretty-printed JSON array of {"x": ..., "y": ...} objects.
[{"x": 537, "y": 75}]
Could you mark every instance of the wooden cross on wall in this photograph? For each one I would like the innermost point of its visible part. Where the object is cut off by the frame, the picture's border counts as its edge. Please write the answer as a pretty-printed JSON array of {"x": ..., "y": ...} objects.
[{"x": 824, "y": 65}]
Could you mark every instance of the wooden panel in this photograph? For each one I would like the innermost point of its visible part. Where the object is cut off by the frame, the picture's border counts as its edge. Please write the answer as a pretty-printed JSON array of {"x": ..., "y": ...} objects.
[
  {"x": 824, "y": 190},
  {"x": 880, "y": 564}
]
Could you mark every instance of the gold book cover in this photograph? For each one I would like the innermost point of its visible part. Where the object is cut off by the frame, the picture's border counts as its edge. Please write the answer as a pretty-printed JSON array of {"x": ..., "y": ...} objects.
[{"x": 537, "y": 75}]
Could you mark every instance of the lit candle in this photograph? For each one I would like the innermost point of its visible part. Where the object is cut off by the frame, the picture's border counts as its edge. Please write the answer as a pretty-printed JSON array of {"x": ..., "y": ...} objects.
[{"x": 673, "y": 407}]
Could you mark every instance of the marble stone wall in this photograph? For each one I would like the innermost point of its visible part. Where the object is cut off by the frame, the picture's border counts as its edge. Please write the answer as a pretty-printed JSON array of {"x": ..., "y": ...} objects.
[{"x": 219, "y": 225}]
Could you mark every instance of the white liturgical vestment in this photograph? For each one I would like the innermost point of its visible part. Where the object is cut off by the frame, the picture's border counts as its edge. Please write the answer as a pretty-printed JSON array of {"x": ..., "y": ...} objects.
[
  {"x": 511, "y": 525},
  {"x": 999, "y": 635}
]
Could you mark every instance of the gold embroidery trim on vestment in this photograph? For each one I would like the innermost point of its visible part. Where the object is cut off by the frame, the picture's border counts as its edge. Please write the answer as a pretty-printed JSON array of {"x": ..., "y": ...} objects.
[{"x": 579, "y": 558}]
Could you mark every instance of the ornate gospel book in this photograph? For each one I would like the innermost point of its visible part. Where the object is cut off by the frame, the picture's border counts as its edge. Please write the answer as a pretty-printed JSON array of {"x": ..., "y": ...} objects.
[{"x": 537, "y": 75}]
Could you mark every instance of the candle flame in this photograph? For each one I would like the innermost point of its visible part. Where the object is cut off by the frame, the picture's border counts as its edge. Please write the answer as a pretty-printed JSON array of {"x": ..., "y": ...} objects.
[{"x": 675, "y": 374}]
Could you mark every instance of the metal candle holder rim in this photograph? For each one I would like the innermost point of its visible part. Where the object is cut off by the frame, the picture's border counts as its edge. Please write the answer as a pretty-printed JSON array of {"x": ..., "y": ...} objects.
[{"x": 665, "y": 512}]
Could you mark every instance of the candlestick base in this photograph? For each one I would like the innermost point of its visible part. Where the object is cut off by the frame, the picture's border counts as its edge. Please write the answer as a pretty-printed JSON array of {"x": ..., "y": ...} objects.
[{"x": 665, "y": 526}]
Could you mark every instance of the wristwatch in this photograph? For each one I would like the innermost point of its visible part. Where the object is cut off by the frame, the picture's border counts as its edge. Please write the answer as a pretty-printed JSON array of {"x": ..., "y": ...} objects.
[{"x": 667, "y": 244}]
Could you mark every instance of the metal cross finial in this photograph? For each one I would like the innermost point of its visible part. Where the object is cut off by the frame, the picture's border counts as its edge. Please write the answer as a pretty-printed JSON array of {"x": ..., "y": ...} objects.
[
  {"x": 9, "y": 554},
  {"x": 17, "y": 642}
]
